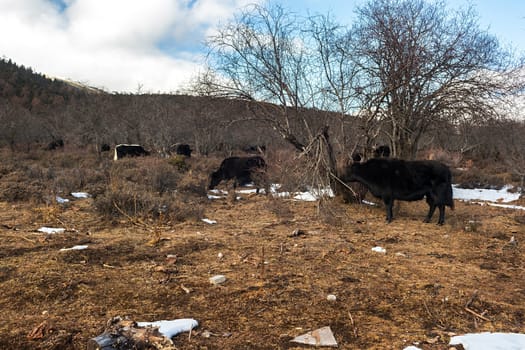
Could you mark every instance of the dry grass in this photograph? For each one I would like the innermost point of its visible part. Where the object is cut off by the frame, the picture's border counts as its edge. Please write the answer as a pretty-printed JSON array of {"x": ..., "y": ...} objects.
[
  {"x": 277, "y": 282},
  {"x": 432, "y": 282}
]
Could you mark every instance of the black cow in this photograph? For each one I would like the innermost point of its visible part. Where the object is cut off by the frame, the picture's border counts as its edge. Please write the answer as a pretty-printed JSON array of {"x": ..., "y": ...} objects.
[
  {"x": 243, "y": 169},
  {"x": 58, "y": 143},
  {"x": 125, "y": 150},
  {"x": 391, "y": 179},
  {"x": 382, "y": 151},
  {"x": 183, "y": 149}
]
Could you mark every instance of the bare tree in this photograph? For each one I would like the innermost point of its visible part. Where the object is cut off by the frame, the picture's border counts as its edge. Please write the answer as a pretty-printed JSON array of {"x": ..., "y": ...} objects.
[
  {"x": 261, "y": 56},
  {"x": 425, "y": 65}
]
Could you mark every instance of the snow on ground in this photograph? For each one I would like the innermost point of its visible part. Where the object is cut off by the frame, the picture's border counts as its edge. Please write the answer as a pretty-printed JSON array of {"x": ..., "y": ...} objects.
[
  {"x": 173, "y": 327},
  {"x": 480, "y": 196},
  {"x": 486, "y": 341},
  {"x": 488, "y": 196},
  {"x": 503, "y": 195},
  {"x": 75, "y": 247},
  {"x": 490, "y": 341},
  {"x": 51, "y": 230}
]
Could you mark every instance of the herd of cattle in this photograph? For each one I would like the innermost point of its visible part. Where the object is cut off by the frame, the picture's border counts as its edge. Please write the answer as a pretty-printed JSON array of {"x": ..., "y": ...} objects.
[{"x": 386, "y": 178}]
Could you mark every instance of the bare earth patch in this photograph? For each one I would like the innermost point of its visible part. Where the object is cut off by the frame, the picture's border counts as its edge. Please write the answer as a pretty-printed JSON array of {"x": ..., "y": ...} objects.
[{"x": 281, "y": 260}]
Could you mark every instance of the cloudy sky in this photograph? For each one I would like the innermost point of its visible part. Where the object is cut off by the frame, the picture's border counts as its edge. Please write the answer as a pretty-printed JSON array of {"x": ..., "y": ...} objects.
[{"x": 121, "y": 45}]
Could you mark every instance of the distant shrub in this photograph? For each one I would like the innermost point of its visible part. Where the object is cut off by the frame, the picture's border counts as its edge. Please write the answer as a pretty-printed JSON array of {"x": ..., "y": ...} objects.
[
  {"x": 478, "y": 178},
  {"x": 179, "y": 161},
  {"x": 15, "y": 187},
  {"x": 152, "y": 188}
]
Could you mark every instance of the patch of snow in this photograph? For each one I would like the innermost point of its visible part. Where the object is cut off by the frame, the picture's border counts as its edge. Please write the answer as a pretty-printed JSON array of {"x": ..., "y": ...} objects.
[
  {"x": 61, "y": 200},
  {"x": 173, "y": 327},
  {"x": 253, "y": 190},
  {"x": 379, "y": 250},
  {"x": 51, "y": 230},
  {"x": 507, "y": 206},
  {"x": 305, "y": 196},
  {"x": 80, "y": 194},
  {"x": 218, "y": 192},
  {"x": 76, "y": 247},
  {"x": 501, "y": 196},
  {"x": 490, "y": 341}
]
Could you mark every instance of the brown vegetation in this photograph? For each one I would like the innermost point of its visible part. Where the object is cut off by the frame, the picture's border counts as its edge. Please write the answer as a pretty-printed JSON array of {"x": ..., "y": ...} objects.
[{"x": 281, "y": 258}]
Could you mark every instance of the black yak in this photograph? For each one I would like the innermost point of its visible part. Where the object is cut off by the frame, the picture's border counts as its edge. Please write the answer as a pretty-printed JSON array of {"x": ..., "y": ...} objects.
[
  {"x": 391, "y": 179},
  {"x": 183, "y": 149},
  {"x": 125, "y": 150},
  {"x": 243, "y": 170}
]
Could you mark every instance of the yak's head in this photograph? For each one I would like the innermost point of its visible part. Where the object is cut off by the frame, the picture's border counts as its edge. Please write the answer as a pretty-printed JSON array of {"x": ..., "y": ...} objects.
[{"x": 215, "y": 179}]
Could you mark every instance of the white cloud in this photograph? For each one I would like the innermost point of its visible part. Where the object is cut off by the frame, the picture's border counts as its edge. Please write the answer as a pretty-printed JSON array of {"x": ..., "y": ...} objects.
[{"x": 113, "y": 44}]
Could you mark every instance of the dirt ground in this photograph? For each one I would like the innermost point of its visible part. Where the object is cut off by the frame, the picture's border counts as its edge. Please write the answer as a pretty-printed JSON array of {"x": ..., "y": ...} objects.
[{"x": 281, "y": 260}]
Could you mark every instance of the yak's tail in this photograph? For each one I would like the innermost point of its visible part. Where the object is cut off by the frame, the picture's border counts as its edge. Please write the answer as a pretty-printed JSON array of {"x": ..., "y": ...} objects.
[{"x": 449, "y": 200}]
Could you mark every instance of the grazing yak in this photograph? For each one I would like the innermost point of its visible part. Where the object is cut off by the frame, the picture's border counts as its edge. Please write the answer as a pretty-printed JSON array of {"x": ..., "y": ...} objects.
[
  {"x": 57, "y": 143},
  {"x": 391, "y": 179},
  {"x": 243, "y": 170},
  {"x": 126, "y": 150},
  {"x": 183, "y": 149}
]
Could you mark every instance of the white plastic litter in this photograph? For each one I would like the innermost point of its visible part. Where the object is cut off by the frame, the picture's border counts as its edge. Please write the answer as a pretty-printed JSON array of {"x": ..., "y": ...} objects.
[
  {"x": 51, "y": 230},
  {"x": 173, "y": 327},
  {"x": 319, "y": 337}
]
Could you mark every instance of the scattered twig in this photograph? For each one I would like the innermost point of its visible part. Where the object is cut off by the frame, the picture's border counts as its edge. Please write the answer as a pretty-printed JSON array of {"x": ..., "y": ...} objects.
[
  {"x": 428, "y": 310},
  {"x": 260, "y": 311},
  {"x": 469, "y": 310},
  {"x": 477, "y": 315},
  {"x": 262, "y": 263},
  {"x": 472, "y": 298},
  {"x": 354, "y": 328}
]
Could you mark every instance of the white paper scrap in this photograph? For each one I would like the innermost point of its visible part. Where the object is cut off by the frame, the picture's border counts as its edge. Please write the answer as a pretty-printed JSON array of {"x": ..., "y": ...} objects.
[
  {"x": 319, "y": 337},
  {"x": 173, "y": 327}
]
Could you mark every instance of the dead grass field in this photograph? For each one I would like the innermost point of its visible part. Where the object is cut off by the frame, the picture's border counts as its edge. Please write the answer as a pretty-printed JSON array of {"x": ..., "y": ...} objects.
[{"x": 433, "y": 282}]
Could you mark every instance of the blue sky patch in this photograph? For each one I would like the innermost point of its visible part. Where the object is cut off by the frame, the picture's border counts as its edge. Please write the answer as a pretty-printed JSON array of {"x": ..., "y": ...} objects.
[{"x": 59, "y": 4}]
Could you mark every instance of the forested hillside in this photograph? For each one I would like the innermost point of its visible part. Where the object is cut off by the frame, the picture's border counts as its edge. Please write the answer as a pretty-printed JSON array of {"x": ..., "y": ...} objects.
[{"x": 35, "y": 110}]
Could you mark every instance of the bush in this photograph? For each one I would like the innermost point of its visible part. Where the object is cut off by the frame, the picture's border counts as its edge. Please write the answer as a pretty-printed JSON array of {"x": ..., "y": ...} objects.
[{"x": 152, "y": 188}]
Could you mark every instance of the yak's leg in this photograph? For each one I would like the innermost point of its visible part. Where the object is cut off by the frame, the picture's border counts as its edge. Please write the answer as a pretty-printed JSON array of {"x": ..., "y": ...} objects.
[
  {"x": 441, "y": 220},
  {"x": 389, "y": 203},
  {"x": 431, "y": 209}
]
